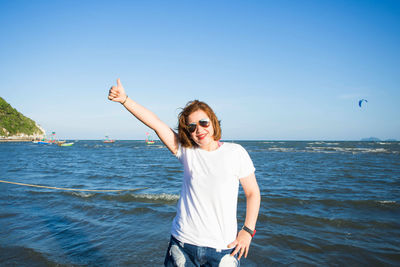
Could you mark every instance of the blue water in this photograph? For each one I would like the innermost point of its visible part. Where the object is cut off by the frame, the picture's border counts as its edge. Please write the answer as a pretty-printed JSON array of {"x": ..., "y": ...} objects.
[{"x": 323, "y": 203}]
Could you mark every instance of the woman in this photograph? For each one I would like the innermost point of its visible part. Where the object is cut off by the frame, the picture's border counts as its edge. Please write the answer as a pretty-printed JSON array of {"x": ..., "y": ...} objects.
[{"x": 204, "y": 231}]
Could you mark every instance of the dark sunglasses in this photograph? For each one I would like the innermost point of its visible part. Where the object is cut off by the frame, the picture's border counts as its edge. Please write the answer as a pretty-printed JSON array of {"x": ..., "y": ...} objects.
[{"x": 203, "y": 123}]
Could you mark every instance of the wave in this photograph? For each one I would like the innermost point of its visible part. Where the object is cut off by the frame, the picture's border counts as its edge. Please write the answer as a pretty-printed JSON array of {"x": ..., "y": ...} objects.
[
  {"x": 348, "y": 149},
  {"x": 156, "y": 146},
  {"x": 283, "y": 149},
  {"x": 323, "y": 143},
  {"x": 162, "y": 198},
  {"x": 125, "y": 196},
  {"x": 83, "y": 194},
  {"x": 331, "y": 149},
  {"x": 316, "y": 143},
  {"x": 386, "y": 202}
]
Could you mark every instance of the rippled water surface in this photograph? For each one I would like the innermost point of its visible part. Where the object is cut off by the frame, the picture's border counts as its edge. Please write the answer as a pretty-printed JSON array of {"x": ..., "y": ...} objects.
[{"x": 323, "y": 203}]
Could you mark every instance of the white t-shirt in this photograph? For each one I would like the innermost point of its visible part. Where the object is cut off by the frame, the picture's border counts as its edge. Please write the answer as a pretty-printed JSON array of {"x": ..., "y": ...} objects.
[{"x": 206, "y": 211}]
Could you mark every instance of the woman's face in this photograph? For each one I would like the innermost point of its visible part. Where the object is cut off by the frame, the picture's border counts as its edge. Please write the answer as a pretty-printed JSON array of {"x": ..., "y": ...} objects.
[{"x": 202, "y": 136}]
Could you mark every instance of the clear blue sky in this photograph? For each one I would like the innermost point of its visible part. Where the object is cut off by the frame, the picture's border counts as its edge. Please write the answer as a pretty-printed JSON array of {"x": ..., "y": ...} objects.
[{"x": 275, "y": 70}]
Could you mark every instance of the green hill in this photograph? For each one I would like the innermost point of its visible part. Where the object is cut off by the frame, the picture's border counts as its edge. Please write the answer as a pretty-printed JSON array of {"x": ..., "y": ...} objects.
[{"x": 15, "y": 125}]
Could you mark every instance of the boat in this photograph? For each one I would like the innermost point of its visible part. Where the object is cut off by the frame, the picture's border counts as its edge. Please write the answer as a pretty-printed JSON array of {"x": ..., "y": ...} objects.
[
  {"x": 66, "y": 144},
  {"x": 52, "y": 140},
  {"x": 108, "y": 140},
  {"x": 149, "y": 141},
  {"x": 43, "y": 142}
]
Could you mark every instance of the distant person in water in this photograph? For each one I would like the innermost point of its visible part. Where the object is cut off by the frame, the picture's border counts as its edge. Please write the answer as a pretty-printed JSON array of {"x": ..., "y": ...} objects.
[{"x": 204, "y": 230}]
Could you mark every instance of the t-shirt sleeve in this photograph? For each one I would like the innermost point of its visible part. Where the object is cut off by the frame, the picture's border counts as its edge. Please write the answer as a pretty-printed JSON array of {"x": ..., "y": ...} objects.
[
  {"x": 179, "y": 153},
  {"x": 246, "y": 166}
]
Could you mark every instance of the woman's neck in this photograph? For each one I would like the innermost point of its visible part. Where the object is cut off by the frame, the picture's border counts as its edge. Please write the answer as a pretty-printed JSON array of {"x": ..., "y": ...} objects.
[{"x": 214, "y": 145}]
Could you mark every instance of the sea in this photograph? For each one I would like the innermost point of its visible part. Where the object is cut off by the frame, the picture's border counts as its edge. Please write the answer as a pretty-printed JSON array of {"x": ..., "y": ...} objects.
[{"x": 324, "y": 203}]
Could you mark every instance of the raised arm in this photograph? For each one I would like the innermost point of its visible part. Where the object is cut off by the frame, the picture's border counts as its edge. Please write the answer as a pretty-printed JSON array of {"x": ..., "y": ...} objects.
[{"x": 164, "y": 132}]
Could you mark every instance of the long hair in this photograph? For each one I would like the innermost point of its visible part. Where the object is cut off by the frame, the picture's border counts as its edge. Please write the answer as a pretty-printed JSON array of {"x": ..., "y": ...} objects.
[{"x": 192, "y": 106}]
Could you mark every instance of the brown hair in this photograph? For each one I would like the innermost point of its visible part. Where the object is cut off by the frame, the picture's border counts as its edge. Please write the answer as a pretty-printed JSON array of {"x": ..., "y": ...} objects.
[{"x": 192, "y": 106}]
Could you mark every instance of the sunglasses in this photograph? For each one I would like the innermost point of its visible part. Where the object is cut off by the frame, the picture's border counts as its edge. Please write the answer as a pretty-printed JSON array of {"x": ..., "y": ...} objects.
[{"x": 203, "y": 123}]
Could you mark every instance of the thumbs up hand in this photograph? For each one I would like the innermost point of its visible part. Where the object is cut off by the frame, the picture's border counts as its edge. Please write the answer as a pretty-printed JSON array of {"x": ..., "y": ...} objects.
[{"x": 117, "y": 93}]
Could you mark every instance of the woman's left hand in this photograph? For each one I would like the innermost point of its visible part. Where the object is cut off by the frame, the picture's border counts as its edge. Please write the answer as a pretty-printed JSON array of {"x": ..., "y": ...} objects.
[{"x": 242, "y": 244}]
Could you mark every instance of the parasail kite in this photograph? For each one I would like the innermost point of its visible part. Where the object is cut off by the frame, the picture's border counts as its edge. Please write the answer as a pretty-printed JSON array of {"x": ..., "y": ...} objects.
[{"x": 361, "y": 101}]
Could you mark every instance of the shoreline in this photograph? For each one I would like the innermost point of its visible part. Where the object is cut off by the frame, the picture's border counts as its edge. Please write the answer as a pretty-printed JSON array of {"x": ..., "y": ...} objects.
[{"x": 18, "y": 140}]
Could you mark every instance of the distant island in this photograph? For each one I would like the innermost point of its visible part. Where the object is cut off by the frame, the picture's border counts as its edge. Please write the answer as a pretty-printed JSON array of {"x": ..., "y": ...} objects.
[{"x": 14, "y": 126}]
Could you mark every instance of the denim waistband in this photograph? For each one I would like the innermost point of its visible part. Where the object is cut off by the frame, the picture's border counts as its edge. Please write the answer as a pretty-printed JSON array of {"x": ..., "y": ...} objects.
[{"x": 182, "y": 244}]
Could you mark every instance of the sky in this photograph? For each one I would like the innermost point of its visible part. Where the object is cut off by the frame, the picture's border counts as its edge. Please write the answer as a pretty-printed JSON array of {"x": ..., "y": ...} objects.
[{"x": 271, "y": 70}]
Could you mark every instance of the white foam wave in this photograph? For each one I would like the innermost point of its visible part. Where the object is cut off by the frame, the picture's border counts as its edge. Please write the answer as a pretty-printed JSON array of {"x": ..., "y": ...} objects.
[
  {"x": 349, "y": 149},
  {"x": 82, "y": 194},
  {"x": 386, "y": 202},
  {"x": 331, "y": 149},
  {"x": 281, "y": 149},
  {"x": 156, "y": 197}
]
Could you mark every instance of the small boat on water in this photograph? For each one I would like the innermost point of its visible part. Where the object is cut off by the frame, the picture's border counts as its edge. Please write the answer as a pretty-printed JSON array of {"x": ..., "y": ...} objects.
[
  {"x": 108, "y": 140},
  {"x": 43, "y": 142},
  {"x": 149, "y": 141},
  {"x": 52, "y": 140},
  {"x": 66, "y": 144}
]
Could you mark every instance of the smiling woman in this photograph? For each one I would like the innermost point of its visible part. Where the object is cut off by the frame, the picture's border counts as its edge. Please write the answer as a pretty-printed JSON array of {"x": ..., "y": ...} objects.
[
  {"x": 198, "y": 113},
  {"x": 204, "y": 230}
]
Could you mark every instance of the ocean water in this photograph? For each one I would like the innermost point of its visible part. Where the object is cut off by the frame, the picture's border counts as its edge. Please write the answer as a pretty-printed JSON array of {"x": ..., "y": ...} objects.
[{"x": 323, "y": 204}]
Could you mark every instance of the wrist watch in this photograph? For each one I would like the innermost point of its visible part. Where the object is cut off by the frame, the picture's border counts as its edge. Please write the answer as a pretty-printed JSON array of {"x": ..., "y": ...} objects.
[{"x": 251, "y": 232}]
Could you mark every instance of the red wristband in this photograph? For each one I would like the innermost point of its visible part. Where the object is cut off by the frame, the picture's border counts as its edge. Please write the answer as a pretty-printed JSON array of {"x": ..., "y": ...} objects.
[{"x": 252, "y": 233}]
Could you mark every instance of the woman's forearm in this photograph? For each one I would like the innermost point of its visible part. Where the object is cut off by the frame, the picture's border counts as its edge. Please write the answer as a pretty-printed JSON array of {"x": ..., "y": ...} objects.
[
  {"x": 144, "y": 115},
  {"x": 151, "y": 120},
  {"x": 252, "y": 208}
]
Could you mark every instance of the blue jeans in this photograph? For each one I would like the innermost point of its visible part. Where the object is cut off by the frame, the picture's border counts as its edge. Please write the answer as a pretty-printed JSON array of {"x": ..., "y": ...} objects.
[{"x": 183, "y": 254}]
